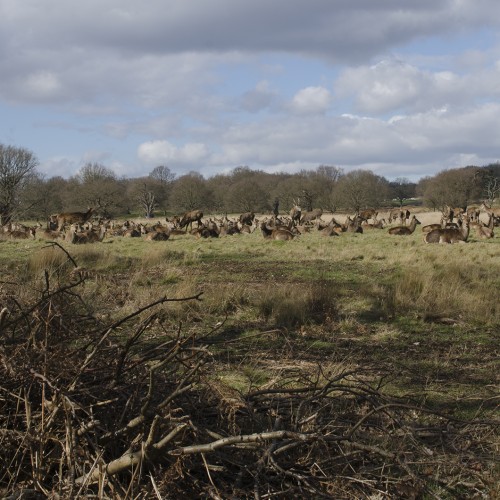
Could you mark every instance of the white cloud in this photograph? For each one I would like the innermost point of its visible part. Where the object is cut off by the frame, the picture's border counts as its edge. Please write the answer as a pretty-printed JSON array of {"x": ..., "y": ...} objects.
[
  {"x": 154, "y": 52},
  {"x": 391, "y": 85},
  {"x": 259, "y": 98},
  {"x": 411, "y": 143},
  {"x": 311, "y": 100},
  {"x": 159, "y": 152},
  {"x": 59, "y": 166},
  {"x": 194, "y": 86},
  {"x": 43, "y": 84}
]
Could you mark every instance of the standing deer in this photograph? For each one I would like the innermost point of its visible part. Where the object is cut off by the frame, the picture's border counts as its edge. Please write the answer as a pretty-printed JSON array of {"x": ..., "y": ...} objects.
[
  {"x": 369, "y": 213},
  {"x": 312, "y": 215},
  {"x": 393, "y": 215},
  {"x": 448, "y": 214},
  {"x": 492, "y": 212},
  {"x": 295, "y": 212},
  {"x": 405, "y": 230},
  {"x": 404, "y": 215},
  {"x": 189, "y": 217},
  {"x": 473, "y": 213},
  {"x": 70, "y": 218},
  {"x": 247, "y": 218}
]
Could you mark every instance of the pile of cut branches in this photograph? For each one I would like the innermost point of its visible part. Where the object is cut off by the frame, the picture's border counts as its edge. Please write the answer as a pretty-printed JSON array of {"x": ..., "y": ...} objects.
[{"x": 132, "y": 409}]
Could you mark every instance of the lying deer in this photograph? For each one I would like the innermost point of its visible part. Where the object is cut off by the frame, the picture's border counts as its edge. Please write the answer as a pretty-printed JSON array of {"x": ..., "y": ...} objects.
[
  {"x": 449, "y": 235},
  {"x": 405, "y": 230}
]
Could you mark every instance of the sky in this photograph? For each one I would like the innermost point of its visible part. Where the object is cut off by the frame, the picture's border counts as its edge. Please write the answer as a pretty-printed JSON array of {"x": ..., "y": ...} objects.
[{"x": 404, "y": 88}]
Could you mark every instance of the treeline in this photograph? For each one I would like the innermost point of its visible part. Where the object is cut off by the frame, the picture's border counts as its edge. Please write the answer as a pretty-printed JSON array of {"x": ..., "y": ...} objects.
[{"x": 26, "y": 194}]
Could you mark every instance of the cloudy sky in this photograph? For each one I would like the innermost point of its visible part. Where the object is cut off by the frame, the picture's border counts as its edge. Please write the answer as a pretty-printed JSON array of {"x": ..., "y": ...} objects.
[{"x": 405, "y": 88}]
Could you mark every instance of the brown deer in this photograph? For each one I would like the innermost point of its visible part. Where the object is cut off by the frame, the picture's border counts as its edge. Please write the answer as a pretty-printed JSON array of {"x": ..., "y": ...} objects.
[
  {"x": 485, "y": 232},
  {"x": 242, "y": 228},
  {"x": 404, "y": 215},
  {"x": 377, "y": 224},
  {"x": 394, "y": 215},
  {"x": 312, "y": 215},
  {"x": 449, "y": 235},
  {"x": 189, "y": 217},
  {"x": 295, "y": 213},
  {"x": 473, "y": 213},
  {"x": 70, "y": 218},
  {"x": 430, "y": 227},
  {"x": 447, "y": 214},
  {"x": 50, "y": 234},
  {"x": 208, "y": 230},
  {"x": 132, "y": 232},
  {"x": 83, "y": 237},
  {"x": 492, "y": 212},
  {"x": 157, "y": 236},
  {"x": 247, "y": 218},
  {"x": 369, "y": 213},
  {"x": 405, "y": 230},
  {"x": 352, "y": 225},
  {"x": 20, "y": 234},
  {"x": 331, "y": 230},
  {"x": 276, "y": 233}
]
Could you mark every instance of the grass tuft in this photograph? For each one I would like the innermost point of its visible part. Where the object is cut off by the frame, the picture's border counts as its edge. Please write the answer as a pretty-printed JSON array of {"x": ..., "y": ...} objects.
[
  {"x": 289, "y": 307},
  {"x": 447, "y": 289}
]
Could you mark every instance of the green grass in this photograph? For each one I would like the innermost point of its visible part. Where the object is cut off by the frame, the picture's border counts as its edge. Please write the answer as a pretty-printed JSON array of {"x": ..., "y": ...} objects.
[{"x": 428, "y": 312}]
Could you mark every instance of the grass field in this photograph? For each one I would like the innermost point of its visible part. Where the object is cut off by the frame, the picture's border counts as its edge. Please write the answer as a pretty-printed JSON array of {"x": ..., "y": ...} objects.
[{"x": 421, "y": 321}]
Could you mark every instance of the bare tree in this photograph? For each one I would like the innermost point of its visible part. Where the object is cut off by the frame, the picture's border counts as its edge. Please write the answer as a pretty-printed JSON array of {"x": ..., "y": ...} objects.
[
  {"x": 98, "y": 186},
  {"x": 190, "y": 192},
  {"x": 33, "y": 198},
  {"x": 162, "y": 174},
  {"x": 94, "y": 172},
  {"x": 491, "y": 188},
  {"x": 427, "y": 190},
  {"x": 326, "y": 178},
  {"x": 42, "y": 197},
  {"x": 159, "y": 181},
  {"x": 147, "y": 201},
  {"x": 402, "y": 189},
  {"x": 288, "y": 190},
  {"x": 456, "y": 187},
  {"x": 330, "y": 172},
  {"x": 247, "y": 195},
  {"x": 16, "y": 167},
  {"x": 361, "y": 189}
]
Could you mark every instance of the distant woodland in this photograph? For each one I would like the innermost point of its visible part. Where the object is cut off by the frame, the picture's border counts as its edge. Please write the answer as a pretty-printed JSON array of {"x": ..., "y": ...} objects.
[{"x": 25, "y": 194}]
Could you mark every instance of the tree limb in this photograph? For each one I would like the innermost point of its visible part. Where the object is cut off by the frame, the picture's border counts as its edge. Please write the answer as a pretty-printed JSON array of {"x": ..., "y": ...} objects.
[
  {"x": 247, "y": 438},
  {"x": 130, "y": 459}
]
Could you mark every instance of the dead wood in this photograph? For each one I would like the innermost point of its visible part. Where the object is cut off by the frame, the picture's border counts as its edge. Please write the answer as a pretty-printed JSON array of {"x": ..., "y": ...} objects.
[{"x": 101, "y": 409}]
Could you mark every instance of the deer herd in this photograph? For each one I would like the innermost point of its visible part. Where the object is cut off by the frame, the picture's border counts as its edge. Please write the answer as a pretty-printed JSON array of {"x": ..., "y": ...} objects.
[{"x": 85, "y": 227}]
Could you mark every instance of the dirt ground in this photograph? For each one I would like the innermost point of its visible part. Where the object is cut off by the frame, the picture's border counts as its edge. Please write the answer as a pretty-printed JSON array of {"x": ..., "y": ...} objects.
[{"x": 423, "y": 215}]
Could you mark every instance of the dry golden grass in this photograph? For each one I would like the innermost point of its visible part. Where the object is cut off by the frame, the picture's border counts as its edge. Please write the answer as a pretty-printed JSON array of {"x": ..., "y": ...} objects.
[{"x": 398, "y": 275}]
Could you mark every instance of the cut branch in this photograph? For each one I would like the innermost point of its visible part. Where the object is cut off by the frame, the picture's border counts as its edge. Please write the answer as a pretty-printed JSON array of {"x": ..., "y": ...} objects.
[
  {"x": 130, "y": 459},
  {"x": 248, "y": 438}
]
